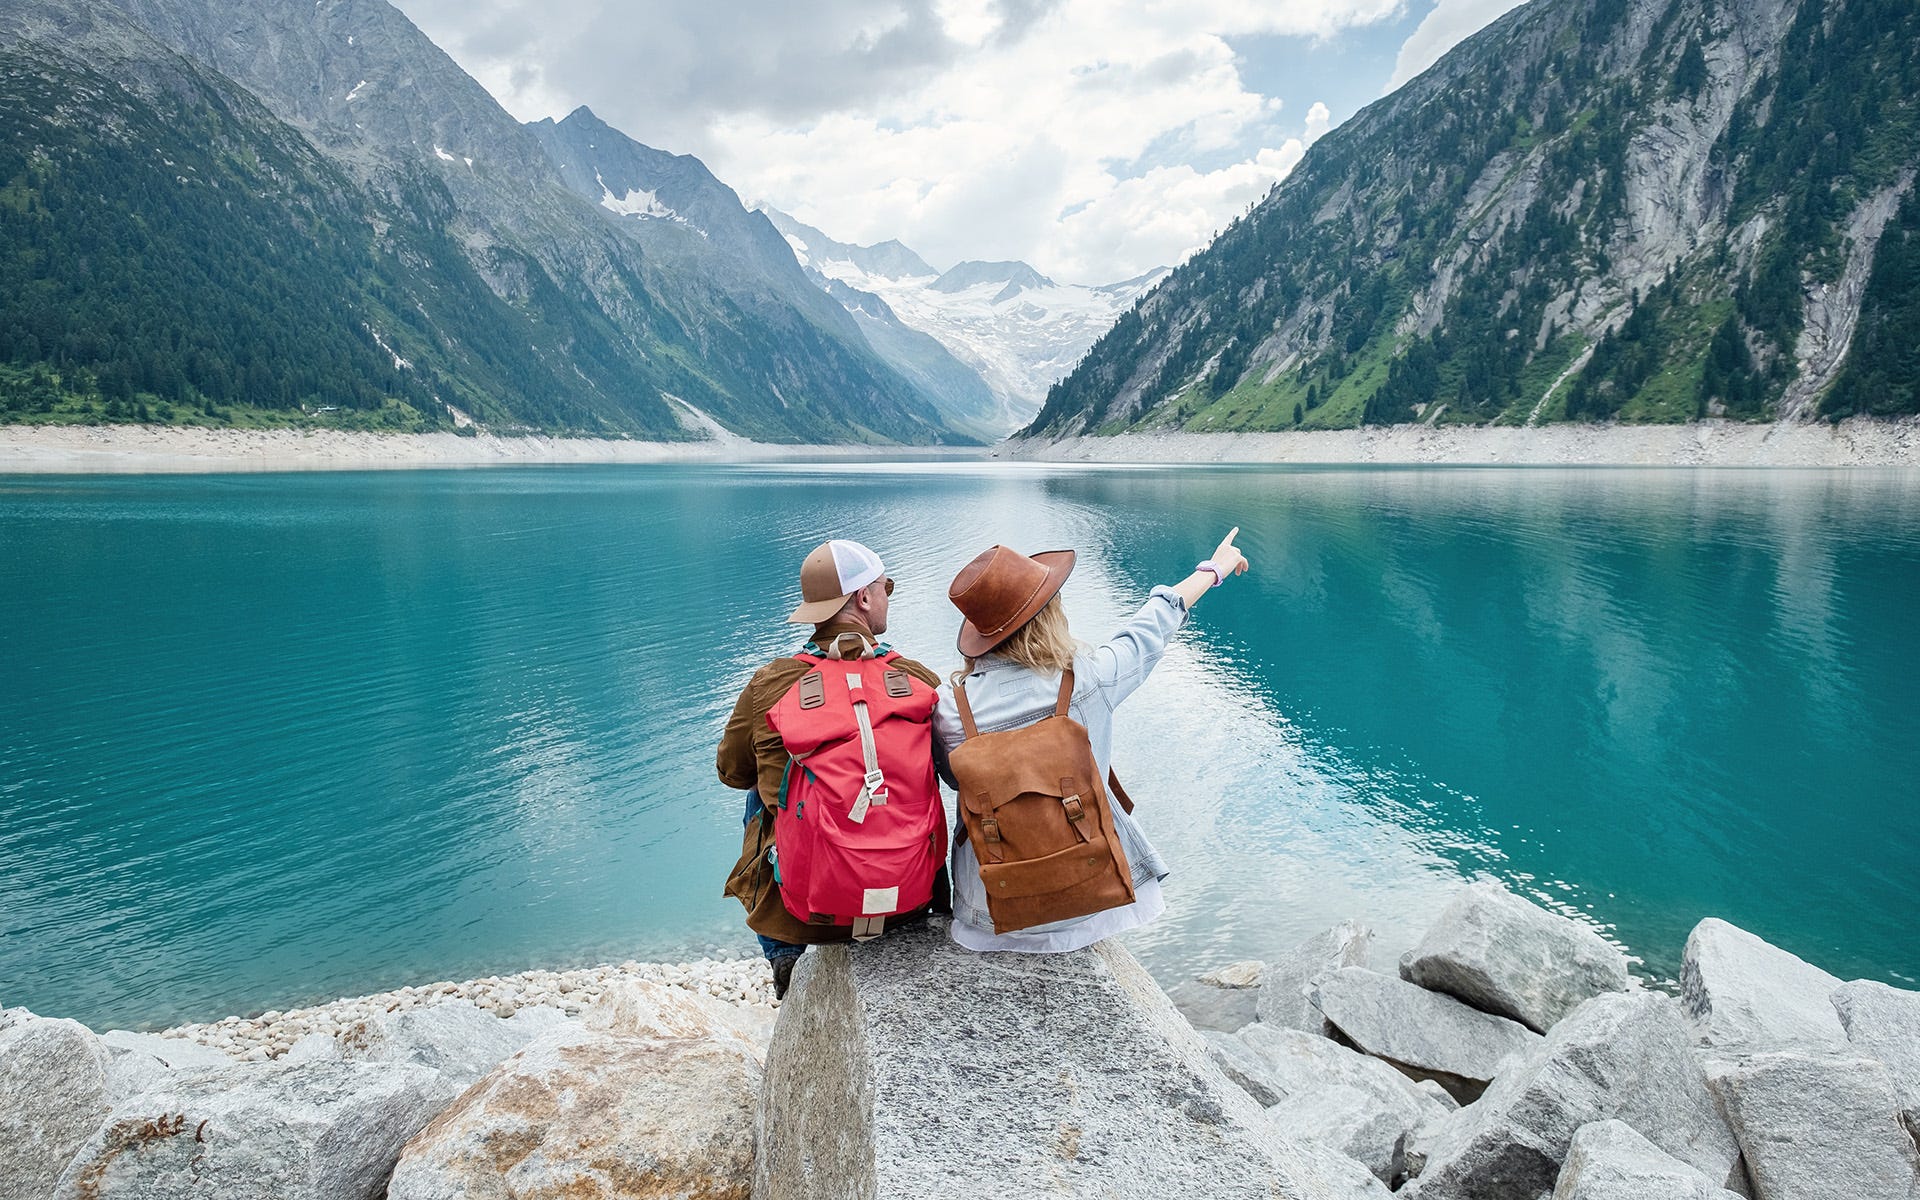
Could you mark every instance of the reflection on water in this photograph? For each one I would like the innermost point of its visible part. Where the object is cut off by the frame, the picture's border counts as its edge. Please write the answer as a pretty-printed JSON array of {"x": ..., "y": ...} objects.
[{"x": 277, "y": 738}]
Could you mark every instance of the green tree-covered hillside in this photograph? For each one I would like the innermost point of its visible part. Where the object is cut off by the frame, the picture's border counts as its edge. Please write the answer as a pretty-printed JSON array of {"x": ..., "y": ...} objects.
[{"x": 1643, "y": 210}]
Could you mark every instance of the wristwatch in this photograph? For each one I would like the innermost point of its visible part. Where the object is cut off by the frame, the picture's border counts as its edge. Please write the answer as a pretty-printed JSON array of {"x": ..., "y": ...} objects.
[{"x": 1219, "y": 576}]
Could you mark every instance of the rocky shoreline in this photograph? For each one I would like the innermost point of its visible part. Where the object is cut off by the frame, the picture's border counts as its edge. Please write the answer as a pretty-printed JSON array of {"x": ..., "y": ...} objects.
[
  {"x": 153, "y": 449},
  {"x": 1509, "y": 1055},
  {"x": 1857, "y": 442}
]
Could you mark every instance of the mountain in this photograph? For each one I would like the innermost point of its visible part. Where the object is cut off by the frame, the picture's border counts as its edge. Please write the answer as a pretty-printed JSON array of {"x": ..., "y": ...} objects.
[
  {"x": 453, "y": 255},
  {"x": 1011, "y": 278},
  {"x": 1017, "y": 329},
  {"x": 676, "y": 206},
  {"x": 1644, "y": 210}
]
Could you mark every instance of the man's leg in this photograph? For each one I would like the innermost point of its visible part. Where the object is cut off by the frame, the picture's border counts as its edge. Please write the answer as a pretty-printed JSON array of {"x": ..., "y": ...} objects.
[{"x": 781, "y": 956}]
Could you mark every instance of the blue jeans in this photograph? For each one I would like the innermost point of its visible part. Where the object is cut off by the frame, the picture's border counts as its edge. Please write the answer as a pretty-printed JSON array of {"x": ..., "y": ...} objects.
[{"x": 774, "y": 949}]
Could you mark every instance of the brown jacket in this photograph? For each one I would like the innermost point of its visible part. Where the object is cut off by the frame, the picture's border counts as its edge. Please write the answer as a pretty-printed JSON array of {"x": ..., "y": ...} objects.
[{"x": 752, "y": 755}]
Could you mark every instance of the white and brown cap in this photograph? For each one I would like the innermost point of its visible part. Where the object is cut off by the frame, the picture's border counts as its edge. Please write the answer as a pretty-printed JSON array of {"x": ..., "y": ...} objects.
[{"x": 832, "y": 572}]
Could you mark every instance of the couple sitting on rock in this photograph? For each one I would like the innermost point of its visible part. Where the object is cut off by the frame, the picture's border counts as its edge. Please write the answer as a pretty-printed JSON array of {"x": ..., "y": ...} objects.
[{"x": 838, "y": 747}]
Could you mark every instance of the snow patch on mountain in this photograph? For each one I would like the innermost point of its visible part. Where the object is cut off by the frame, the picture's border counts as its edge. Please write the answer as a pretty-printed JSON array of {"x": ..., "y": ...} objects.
[{"x": 639, "y": 202}]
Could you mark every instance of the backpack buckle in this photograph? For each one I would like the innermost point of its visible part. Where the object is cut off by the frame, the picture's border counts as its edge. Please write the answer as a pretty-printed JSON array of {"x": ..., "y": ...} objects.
[
  {"x": 876, "y": 786},
  {"x": 1075, "y": 810}
]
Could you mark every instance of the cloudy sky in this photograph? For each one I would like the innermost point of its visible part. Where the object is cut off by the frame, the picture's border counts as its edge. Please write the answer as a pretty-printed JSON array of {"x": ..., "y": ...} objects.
[{"x": 1095, "y": 139}]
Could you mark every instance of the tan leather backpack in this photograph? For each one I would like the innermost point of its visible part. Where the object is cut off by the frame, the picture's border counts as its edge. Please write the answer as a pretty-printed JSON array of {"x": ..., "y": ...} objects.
[{"x": 1039, "y": 819}]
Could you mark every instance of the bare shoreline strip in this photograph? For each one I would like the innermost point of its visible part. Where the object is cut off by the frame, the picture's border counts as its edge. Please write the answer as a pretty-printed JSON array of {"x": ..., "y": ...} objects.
[
  {"x": 161, "y": 449},
  {"x": 1857, "y": 442},
  {"x": 147, "y": 449}
]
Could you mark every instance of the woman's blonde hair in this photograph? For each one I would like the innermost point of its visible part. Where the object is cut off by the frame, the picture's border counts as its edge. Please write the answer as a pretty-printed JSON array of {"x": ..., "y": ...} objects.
[{"x": 1044, "y": 644}]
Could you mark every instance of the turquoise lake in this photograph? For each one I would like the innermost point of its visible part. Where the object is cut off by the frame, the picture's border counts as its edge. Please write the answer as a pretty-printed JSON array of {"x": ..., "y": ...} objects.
[{"x": 271, "y": 739}]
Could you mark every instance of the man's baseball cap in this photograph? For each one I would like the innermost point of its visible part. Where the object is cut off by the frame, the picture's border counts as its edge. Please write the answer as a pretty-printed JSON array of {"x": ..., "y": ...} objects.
[{"x": 832, "y": 572}]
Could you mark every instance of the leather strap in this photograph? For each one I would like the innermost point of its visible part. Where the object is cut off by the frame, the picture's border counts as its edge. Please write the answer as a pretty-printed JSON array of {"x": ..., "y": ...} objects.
[
  {"x": 1119, "y": 793},
  {"x": 1066, "y": 693},
  {"x": 966, "y": 710}
]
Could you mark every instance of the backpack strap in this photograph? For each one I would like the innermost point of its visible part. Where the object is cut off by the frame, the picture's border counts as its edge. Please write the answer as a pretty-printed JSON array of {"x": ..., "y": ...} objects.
[
  {"x": 1117, "y": 792},
  {"x": 966, "y": 709},
  {"x": 873, "y": 788},
  {"x": 1066, "y": 693}
]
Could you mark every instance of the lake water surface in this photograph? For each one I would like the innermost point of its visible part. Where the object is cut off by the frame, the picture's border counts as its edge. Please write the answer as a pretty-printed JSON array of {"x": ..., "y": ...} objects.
[{"x": 273, "y": 739}]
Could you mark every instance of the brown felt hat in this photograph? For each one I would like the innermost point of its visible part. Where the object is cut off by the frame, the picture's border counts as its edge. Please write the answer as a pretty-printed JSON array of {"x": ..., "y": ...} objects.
[{"x": 1001, "y": 590}]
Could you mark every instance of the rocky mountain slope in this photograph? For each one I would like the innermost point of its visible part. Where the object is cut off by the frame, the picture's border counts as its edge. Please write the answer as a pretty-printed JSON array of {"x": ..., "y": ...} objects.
[
  {"x": 441, "y": 257},
  {"x": 1644, "y": 210},
  {"x": 1016, "y": 328}
]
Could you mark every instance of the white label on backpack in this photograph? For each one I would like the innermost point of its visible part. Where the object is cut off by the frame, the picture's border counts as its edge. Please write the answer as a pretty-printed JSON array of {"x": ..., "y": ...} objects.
[{"x": 880, "y": 900}]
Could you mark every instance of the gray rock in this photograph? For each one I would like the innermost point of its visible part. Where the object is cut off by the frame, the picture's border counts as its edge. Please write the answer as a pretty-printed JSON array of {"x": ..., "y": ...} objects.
[
  {"x": 1327, "y": 1174},
  {"x": 1626, "y": 1055},
  {"x": 1360, "y": 1106},
  {"x": 1240, "y": 1064},
  {"x": 1425, "y": 1034},
  {"x": 256, "y": 1131},
  {"x": 53, "y": 1094},
  {"x": 1819, "y": 1127},
  {"x": 1611, "y": 1161},
  {"x": 140, "y": 1061},
  {"x": 1064, "y": 1074},
  {"x": 1243, "y": 974},
  {"x": 1283, "y": 985},
  {"x": 1745, "y": 996},
  {"x": 1218, "y": 1008},
  {"x": 175, "y": 1054},
  {"x": 1429, "y": 1088},
  {"x": 592, "y": 1115},
  {"x": 314, "y": 1047},
  {"x": 457, "y": 1040},
  {"x": 1884, "y": 1023},
  {"x": 1504, "y": 955}
]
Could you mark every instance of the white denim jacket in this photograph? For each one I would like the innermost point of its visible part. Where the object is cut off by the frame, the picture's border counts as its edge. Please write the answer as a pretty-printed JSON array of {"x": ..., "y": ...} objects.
[{"x": 1005, "y": 695}]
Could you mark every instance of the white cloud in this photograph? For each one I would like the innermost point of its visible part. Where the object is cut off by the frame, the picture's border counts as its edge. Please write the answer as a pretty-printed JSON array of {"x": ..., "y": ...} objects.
[
  {"x": 1450, "y": 23},
  {"x": 1054, "y": 131}
]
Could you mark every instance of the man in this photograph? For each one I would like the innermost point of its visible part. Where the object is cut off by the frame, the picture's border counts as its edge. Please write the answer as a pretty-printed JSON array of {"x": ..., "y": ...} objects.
[{"x": 844, "y": 592}]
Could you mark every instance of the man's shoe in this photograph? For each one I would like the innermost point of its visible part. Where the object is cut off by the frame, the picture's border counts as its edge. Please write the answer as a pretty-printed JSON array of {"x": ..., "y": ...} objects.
[{"x": 783, "y": 974}]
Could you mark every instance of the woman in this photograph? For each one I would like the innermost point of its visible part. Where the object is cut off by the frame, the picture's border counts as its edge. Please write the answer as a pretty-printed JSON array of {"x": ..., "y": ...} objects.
[{"x": 1017, "y": 647}]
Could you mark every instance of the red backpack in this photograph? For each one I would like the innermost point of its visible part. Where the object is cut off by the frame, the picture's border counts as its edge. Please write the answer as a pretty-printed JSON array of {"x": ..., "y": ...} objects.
[{"x": 858, "y": 829}]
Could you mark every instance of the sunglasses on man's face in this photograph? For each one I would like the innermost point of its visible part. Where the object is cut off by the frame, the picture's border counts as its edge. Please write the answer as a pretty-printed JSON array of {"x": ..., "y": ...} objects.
[{"x": 887, "y": 582}]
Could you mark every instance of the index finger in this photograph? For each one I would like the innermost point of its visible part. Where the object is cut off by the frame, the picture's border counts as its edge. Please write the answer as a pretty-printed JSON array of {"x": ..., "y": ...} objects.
[{"x": 1232, "y": 533}]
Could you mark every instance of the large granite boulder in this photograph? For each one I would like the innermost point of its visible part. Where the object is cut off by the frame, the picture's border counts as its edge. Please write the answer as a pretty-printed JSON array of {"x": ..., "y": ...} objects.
[
  {"x": 1611, "y": 1161},
  {"x": 1625, "y": 1055},
  {"x": 53, "y": 1095},
  {"x": 256, "y": 1131},
  {"x": 1746, "y": 996},
  {"x": 1284, "y": 984},
  {"x": 1504, "y": 955},
  {"x": 1358, "y": 1105},
  {"x": 1425, "y": 1034},
  {"x": 912, "y": 1067},
  {"x": 1884, "y": 1023},
  {"x": 590, "y": 1115},
  {"x": 1819, "y": 1127}
]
